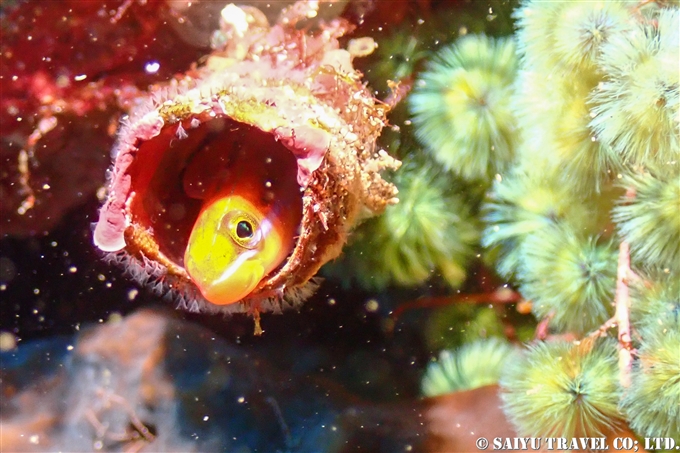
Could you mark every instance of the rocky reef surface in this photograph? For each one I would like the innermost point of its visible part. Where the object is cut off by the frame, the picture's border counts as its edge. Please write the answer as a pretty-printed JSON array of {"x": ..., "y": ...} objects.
[{"x": 153, "y": 382}]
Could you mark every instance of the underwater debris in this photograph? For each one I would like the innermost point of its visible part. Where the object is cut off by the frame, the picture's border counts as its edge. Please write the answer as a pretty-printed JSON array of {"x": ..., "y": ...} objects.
[{"x": 279, "y": 129}]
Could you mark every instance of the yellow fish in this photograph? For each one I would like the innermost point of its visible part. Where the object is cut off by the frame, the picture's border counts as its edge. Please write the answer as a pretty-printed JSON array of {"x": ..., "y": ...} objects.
[{"x": 250, "y": 217}]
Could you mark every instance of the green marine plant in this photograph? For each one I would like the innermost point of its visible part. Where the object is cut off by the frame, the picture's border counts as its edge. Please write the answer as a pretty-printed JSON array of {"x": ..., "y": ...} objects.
[
  {"x": 651, "y": 402},
  {"x": 570, "y": 278},
  {"x": 560, "y": 46},
  {"x": 396, "y": 56},
  {"x": 566, "y": 176},
  {"x": 648, "y": 218},
  {"x": 571, "y": 128},
  {"x": 435, "y": 231},
  {"x": 430, "y": 231},
  {"x": 471, "y": 366},
  {"x": 452, "y": 326},
  {"x": 568, "y": 35},
  {"x": 641, "y": 88},
  {"x": 654, "y": 298},
  {"x": 602, "y": 125},
  {"x": 553, "y": 119},
  {"x": 563, "y": 389},
  {"x": 584, "y": 217},
  {"x": 523, "y": 202},
  {"x": 461, "y": 106}
]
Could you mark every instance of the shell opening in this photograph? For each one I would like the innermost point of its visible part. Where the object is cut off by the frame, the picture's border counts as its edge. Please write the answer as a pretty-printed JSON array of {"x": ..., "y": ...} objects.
[{"x": 176, "y": 183}]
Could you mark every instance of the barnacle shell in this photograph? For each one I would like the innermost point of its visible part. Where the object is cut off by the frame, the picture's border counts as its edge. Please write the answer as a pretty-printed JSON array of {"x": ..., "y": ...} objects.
[{"x": 297, "y": 88}]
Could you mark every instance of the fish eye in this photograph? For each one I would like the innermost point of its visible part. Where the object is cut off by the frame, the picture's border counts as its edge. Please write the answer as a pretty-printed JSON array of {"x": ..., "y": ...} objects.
[{"x": 244, "y": 229}]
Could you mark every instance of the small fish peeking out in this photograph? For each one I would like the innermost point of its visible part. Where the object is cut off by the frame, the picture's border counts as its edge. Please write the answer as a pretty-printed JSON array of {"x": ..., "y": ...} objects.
[
  {"x": 232, "y": 185},
  {"x": 249, "y": 218}
]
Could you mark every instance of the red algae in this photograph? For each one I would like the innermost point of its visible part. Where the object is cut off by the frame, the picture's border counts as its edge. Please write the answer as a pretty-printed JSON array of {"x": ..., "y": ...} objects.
[{"x": 69, "y": 70}]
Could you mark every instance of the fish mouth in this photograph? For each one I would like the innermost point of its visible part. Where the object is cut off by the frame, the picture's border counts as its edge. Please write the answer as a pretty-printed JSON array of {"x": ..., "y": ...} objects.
[{"x": 235, "y": 282}]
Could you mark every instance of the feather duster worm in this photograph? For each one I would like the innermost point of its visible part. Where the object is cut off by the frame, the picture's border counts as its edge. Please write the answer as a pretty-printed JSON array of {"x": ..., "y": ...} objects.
[{"x": 233, "y": 185}]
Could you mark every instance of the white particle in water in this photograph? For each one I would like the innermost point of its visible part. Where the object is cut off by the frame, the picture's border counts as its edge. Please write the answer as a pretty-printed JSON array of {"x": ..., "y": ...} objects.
[
  {"x": 7, "y": 341},
  {"x": 152, "y": 67},
  {"x": 372, "y": 306}
]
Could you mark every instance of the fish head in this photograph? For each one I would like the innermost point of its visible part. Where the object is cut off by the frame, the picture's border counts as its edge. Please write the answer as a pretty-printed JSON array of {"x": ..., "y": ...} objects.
[{"x": 232, "y": 247}]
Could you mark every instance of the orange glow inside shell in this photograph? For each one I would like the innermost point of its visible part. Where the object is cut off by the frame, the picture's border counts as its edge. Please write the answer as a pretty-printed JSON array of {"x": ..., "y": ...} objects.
[{"x": 196, "y": 194}]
